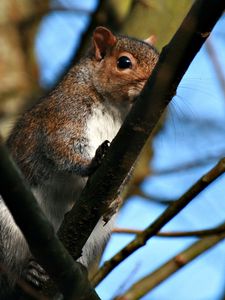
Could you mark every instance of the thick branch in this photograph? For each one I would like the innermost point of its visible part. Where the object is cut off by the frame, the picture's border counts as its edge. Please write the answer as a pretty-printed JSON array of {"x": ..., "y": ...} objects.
[
  {"x": 173, "y": 63},
  {"x": 149, "y": 282},
  {"x": 70, "y": 277}
]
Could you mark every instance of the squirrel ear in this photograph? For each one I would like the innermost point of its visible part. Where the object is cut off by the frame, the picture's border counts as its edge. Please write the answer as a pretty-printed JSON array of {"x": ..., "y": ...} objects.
[
  {"x": 151, "y": 40},
  {"x": 102, "y": 39}
]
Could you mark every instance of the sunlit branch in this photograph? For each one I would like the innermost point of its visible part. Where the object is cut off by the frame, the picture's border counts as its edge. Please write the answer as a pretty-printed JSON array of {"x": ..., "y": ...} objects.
[
  {"x": 164, "y": 218},
  {"x": 149, "y": 282},
  {"x": 193, "y": 233}
]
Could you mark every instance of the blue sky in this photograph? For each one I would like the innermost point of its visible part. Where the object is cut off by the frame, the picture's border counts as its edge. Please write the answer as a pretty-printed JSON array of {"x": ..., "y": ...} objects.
[{"x": 194, "y": 129}]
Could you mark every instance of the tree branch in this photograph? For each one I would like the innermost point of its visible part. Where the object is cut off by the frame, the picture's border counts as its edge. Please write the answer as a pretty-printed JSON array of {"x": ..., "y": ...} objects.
[
  {"x": 136, "y": 190},
  {"x": 70, "y": 277},
  {"x": 193, "y": 233},
  {"x": 164, "y": 218},
  {"x": 102, "y": 187},
  {"x": 216, "y": 64},
  {"x": 149, "y": 282},
  {"x": 185, "y": 166}
]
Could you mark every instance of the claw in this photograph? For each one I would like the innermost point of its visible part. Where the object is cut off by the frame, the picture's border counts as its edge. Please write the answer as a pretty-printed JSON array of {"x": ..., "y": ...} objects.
[
  {"x": 102, "y": 150},
  {"x": 35, "y": 274}
]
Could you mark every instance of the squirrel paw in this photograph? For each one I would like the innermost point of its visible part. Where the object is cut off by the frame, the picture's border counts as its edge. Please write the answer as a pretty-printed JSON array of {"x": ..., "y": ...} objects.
[
  {"x": 35, "y": 274},
  {"x": 100, "y": 154},
  {"x": 101, "y": 151}
]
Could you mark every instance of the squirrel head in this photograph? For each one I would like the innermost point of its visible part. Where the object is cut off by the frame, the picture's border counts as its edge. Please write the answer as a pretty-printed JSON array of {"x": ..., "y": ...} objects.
[{"x": 121, "y": 64}]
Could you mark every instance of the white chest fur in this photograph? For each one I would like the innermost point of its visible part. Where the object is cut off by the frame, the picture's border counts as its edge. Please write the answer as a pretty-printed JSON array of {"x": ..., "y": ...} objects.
[{"x": 104, "y": 123}]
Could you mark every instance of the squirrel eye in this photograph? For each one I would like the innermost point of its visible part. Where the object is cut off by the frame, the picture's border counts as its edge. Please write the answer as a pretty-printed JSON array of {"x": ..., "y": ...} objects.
[{"x": 124, "y": 62}]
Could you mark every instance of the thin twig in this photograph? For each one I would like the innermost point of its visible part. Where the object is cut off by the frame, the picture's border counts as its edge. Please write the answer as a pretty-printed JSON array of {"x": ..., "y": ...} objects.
[
  {"x": 193, "y": 233},
  {"x": 154, "y": 198},
  {"x": 214, "y": 58},
  {"x": 149, "y": 282},
  {"x": 189, "y": 165},
  {"x": 164, "y": 218}
]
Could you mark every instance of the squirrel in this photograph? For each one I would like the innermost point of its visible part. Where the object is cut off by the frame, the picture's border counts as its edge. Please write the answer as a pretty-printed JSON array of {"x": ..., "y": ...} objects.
[{"x": 56, "y": 143}]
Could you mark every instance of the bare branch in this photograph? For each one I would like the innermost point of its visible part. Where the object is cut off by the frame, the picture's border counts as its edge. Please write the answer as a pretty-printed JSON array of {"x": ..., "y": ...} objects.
[
  {"x": 136, "y": 190},
  {"x": 164, "y": 218},
  {"x": 193, "y": 233},
  {"x": 149, "y": 282},
  {"x": 216, "y": 64},
  {"x": 204, "y": 161}
]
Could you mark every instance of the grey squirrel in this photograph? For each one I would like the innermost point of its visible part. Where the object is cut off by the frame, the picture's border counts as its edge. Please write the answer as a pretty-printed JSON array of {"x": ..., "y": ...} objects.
[{"x": 56, "y": 143}]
